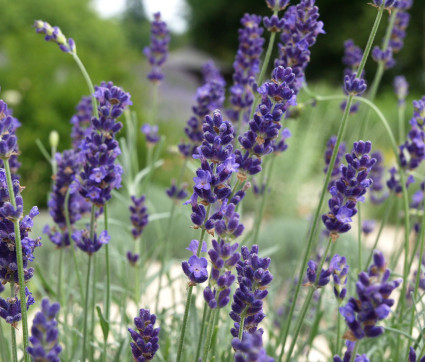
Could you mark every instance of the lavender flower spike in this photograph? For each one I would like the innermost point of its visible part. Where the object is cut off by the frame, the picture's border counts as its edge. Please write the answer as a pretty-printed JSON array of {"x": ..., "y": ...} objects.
[
  {"x": 10, "y": 308},
  {"x": 373, "y": 303},
  {"x": 157, "y": 51},
  {"x": 55, "y": 35},
  {"x": 349, "y": 189},
  {"x": 145, "y": 338},
  {"x": 139, "y": 215},
  {"x": 44, "y": 334},
  {"x": 250, "y": 349}
]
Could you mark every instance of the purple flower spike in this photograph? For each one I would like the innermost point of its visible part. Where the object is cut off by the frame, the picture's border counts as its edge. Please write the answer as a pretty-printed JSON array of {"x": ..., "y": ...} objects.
[
  {"x": 250, "y": 348},
  {"x": 139, "y": 215},
  {"x": 253, "y": 278},
  {"x": 132, "y": 258},
  {"x": 10, "y": 308},
  {"x": 349, "y": 189},
  {"x": 157, "y": 51},
  {"x": 373, "y": 303},
  {"x": 44, "y": 333},
  {"x": 246, "y": 67},
  {"x": 339, "y": 269},
  {"x": 384, "y": 57},
  {"x": 55, "y": 35},
  {"x": 274, "y": 24},
  {"x": 299, "y": 34},
  {"x": 354, "y": 86},
  {"x": 412, "y": 356},
  {"x": 193, "y": 247},
  {"x": 196, "y": 269},
  {"x": 85, "y": 243},
  {"x": 401, "y": 89},
  {"x": 175, "y": 193},
  {"x": 145, "y": 337},
  {"x": 312, "y": 275},
  {"x": 99, "y": 150},
  {"x": 368, "y": 226},
  {"x": 209, "y": 96},
  {"x": 347, "y": 356},
  {"x": 151, "y": 133}
]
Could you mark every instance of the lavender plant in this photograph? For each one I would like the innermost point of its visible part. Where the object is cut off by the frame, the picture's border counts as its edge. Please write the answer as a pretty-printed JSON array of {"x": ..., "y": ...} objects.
[{"x": 233, "y": 282}]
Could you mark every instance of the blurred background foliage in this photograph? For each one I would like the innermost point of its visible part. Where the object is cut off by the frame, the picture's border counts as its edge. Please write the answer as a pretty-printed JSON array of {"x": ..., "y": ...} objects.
[{"x": 43, "y": 85}]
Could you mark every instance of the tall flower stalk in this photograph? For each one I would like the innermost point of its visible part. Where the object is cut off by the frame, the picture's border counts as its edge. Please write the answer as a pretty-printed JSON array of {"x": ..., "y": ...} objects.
[{"x": 328, "y": 174}]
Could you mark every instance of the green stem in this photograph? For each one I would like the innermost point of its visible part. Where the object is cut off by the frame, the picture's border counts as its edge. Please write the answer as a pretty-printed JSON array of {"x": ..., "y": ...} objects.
[
  {"x": 418, "y": 273},
  {"x": 330, "y": 168},
  {"x": 108, "y": 274},
  {"x": 401, "y": 131},
  {"x": 92, "y": 309},
  {"x": 71, "y": 244},
  {"x": 355, "y": 349},
  {"x": 19, "y": 260},
  {"x": 338, "y": 332},
  {"x": 263, "y": 199},
  {"x": 189, "y": 298},
  {"x": 241, "y": 326},
  {"x": 209, "y": 334},
  {"x": 166, "y": 252},
  {"x": 201, "y": 334},
  {"x": 379, "y": 72},
  {"x": 60, "y": 268},
  {"x": 13, "y": 329},
  {"x": 4, "y": 350},
  {"x": 359, "y": 239},
  {"x": 86, "y": 309},
  {"x": 88, "y": 81},
  {"x": 306, "y": 304},
  {"x": 388, "y": 209},
  {"x": 214, "y": 335}
]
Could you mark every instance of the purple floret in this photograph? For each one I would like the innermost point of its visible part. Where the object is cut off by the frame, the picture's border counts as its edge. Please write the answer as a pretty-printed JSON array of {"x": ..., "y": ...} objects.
[
  {"x": 139, "y": 216},
  {"x": 196, "y": 269}
]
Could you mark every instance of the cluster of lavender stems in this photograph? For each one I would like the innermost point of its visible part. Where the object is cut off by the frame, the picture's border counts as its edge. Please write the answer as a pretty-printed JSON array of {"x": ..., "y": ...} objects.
[{"x": 215, "y": 199}]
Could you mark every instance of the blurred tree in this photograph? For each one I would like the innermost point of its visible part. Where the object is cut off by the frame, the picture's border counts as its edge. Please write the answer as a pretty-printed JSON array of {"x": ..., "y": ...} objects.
[
  {"x": 46, "y": 83},
  {"x": 135, "y": 24}
]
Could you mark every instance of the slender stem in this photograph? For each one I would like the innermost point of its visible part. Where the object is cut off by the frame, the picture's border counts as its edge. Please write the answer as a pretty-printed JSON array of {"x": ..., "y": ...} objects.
[
  {"x": 4, "y": 350},
  {"x": 359, "y": 239},
  {"x": 166, "y": 251},
  {"x": 418, "y": 273},
  {"x": 355, "y": 349},
  {"x": 13, "y": 329},
  {"x": 209, "y": 334},
  {"x": 306, "y": 304},
  {"x": 201, "y": 334},
  {"x": 92, "y": 309},
  {"x": 214, "y": 335},
  {"x": 108, "y": 274},
  {"x": 263, "y": 199},
  {"x": 189, "y": 298},
  {"x": 19, "y": 259},
  {"x": 401, "y": 130},
  {"x": 338, "y": 331},
  {"x": 186, "y": 314},
  {"x": 388, "y": 209},
  {"x": 241, "y": 325},
  {"x": 88, "y": 81},
  {"x": 86, "y": 309},
  {"x": 60, "y": 267},
  {"x": 330, "y": 168},
  {"x": 72, "y": 246}
]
